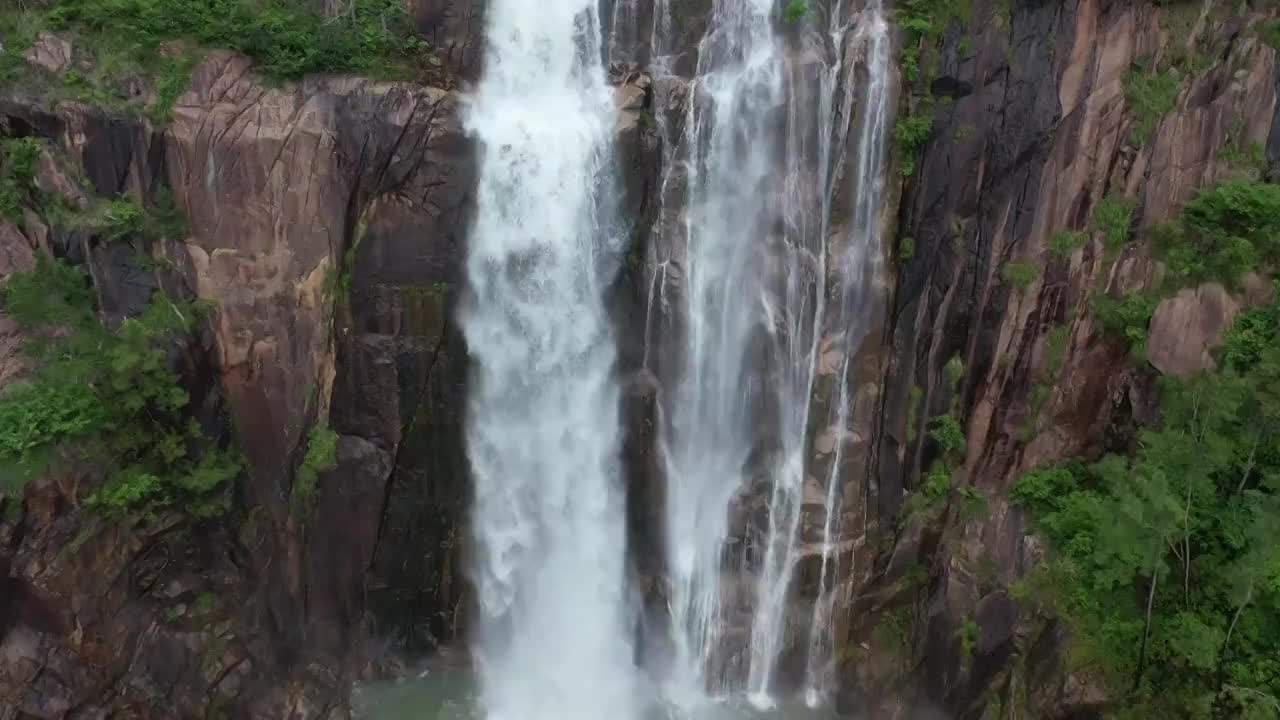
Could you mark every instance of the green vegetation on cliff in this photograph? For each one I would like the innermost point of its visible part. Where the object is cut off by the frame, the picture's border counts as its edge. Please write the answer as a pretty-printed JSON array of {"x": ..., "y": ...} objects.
[
  {"x": 99, "y": 398},
  {"x": 922, "y": 23},
  {"x": 107, "y": 400},
  {"x": 1224, "y": 232},
  {"x": 1164, "y": 562},
  {"x": 119, "y": 41},
  {"x": 321, "y": 456}
]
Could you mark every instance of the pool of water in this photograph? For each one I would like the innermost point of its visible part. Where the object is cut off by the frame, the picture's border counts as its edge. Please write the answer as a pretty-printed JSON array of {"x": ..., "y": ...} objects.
[{"x": 449, "y": 693}]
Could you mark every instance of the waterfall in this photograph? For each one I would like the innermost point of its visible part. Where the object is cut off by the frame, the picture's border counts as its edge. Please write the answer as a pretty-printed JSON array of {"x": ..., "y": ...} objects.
[
  {"x": 763, "y": 132},
  {"x": 857, "y": 266},
  {"x": 707, "y": 439},
  {"x": 543, "y": 427}
]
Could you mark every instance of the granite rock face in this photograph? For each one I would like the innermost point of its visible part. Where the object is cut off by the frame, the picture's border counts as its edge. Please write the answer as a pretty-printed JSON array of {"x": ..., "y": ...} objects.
[{"x": 326, "y": 222}]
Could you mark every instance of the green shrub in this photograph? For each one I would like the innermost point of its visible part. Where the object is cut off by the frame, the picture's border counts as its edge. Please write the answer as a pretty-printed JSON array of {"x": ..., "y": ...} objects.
[
  {"x": 1224, "y": 232},
  {"x": 1250, "y": 160},
  {"x": 967, "y": 634},
  {"x": 131, "y": 39},
  {"x": 1127, "y": 317},
  {"x": 1065, "y": 242},
  {"x": 1042, "y": 491},
  {"x": 1113, "y": 216},
  {"x": 18, "y": 158},
  {"x": 915, "y": 395},
  {"x": 1020, "y": 273},
  {"x": 1151, "y": 94},
  {"x": 954, "y": 372},
  {"x": 1253, "y": 334},
  {"x": 1162, "y": 561},
  {"x": 946, "y": 431},
  {"x": 321, "y": 456},
  {"x": 285, "y": 37},
  {"x": 1269, "y": 32},
  {"x": 795, "y": 11},
  {"x": 910, "y": 133},
  {"x": 107, "y": 399},
  {"x": 906, "y": 248},
  {"x": 1056, "y": 345}
]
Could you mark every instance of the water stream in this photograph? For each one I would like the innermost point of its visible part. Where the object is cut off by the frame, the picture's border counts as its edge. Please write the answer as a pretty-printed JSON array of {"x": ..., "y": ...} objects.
[
  {"x": 543, "y": 427},
  {"x": 776, "y": 118}
]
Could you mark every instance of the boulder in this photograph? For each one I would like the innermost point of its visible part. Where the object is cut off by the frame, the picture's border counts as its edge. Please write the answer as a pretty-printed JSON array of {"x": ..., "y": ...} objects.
[{"x": 1187, "y": 327}]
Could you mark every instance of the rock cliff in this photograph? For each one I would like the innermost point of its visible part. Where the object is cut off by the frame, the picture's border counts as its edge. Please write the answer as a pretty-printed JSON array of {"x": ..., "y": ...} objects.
[{"x": 326, "y": 221}]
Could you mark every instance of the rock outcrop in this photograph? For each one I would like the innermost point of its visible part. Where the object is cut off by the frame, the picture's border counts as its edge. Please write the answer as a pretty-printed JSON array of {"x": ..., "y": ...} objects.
[
  {"x": 325, "y": 228},
  {"x": 1044, "y": 134}
]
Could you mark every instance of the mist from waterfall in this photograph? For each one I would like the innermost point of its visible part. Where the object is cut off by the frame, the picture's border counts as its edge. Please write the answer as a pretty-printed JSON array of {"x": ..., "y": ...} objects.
[{"x": 543, "y": 427}]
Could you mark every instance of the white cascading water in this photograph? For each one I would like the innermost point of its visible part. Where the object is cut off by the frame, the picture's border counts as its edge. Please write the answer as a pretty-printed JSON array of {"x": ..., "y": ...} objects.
[
  {"x": 752, "y": 325},
  {"x": 708, "y": 438},
  {"x": 800, "y": 309},
  {"x": 543, "y": 425},
  {"x": 857, "y": 261}
]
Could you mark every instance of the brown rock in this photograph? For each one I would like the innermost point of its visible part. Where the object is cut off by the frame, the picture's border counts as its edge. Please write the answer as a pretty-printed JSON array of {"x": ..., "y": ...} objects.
[
  {"x": 1187, "y": 327},
  {"x": 51, "y": 52},
  {"x": 15, "y": 256}
]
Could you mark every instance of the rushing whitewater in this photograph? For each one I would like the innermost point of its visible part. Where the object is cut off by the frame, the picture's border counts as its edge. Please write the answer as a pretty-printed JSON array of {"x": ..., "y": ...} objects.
[{"x": 543, "y": 424}]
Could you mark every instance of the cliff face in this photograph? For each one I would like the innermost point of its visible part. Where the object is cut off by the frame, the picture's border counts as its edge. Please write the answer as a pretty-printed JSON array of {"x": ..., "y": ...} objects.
[
  {"x": 326, "y": 224},
  {"x": 1039, "y": 133}
]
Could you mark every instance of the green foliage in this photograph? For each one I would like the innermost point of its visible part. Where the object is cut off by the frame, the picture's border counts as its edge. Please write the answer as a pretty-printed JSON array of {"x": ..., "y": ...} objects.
[
  {"x": 894, "y": 631},
  {"x": 937, "y": 485},
  {"x": 1020, "y": 273},
  {"x": 1151, "y": 94},
  {"x": 1252, "y": 334},
  {"x": 18, "y": 158},
  {"x": 123, "y": 218},
  {"x": 1224, "y": 232},
  {"x": 1189, "y": 521},
  {"x": 286, "y": 38},
  {"x": 922, "y": 23},
  {"x": 972, "y": 502},
  {"x": 906, "y": 248},
  {"x": 54, "y": 293},
  {"x": 915, "y": 395},
  {"x": 1112, "y": 217},
  {"x": 160, "y": 40},
  {"x": 911, "y": 132},
  {"x": 967, "y": 634},
  {"x": 946, "y": 431},
  {"x": 1269, "y": 32},
  {"x": 171, "y": 77},
  {"x": 1250, "y": 160},
  {"x": 1065, "y": 242},
  {"x": 1056, "y": 345},
  {"x": 107, "y": 399},
  {"x": 954, "y": 371},
  {"x": 795, "y": 11},
  {"x": 321, "y": 456},
  {"x": 1127, "y": 317}
]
